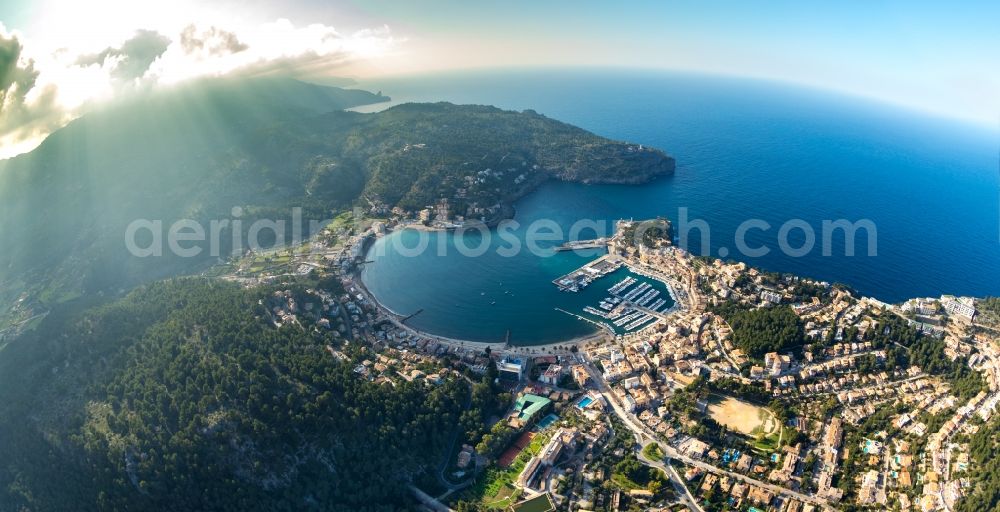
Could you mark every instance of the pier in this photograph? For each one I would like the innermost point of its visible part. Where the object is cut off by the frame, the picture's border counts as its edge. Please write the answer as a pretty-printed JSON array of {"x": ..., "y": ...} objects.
[
  {"x": 415, "y": 313},
  {"x": 596, "y": 243},
  {"x": 632, "y": 304},
  {"x": 583, "y": 276},
  {"x": 601, "y": 325}
]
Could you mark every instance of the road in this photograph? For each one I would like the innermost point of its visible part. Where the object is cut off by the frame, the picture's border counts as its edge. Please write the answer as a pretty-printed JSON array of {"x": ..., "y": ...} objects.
[
  {"x": 646, "y": 436},
  {"x": 429, "y": 501},
  {"x": 456, "y": 430},
  {"x": 682, "y": 489}
]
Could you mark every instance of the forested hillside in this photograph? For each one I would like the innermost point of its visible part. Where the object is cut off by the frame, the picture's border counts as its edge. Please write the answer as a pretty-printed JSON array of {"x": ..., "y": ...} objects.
[
  {"x": 264, "y": 146},
  {"x": 183, "y": 397}
]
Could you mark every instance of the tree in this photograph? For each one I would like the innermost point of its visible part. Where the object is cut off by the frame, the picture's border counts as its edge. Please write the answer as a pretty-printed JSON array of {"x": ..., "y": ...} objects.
[{"x": 763, "y": 330}]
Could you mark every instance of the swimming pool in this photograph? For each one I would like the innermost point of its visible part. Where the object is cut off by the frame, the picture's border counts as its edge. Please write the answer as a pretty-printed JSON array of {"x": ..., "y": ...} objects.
[
  {"x": 872, "y": 447},
  {"x": 585, "y": 402},
  {"x": 546, "y": 421}
]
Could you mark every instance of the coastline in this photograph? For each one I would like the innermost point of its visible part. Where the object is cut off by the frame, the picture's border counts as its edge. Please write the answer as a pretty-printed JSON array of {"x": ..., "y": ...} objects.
[
  {"x": 565, "y": 346},
  {"x": 602, "y": 332}
]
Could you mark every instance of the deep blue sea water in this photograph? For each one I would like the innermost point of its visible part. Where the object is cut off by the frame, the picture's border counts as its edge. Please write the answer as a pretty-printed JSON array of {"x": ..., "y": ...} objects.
[{"x": 745, "y": 150}]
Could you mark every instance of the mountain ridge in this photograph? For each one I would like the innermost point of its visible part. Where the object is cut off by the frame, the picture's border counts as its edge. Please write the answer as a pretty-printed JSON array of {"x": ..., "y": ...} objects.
[{"x": 201, "y": 150}]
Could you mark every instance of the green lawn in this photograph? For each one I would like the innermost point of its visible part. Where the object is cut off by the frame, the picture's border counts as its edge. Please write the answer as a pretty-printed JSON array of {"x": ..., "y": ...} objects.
[
  {"x": 652, "y": 451},
  {"x": 624, "y": 482},
  {"x": 767, "y": 443},
  {"x": 495, "y": 489},
  {"x": 540, "y": 503}
]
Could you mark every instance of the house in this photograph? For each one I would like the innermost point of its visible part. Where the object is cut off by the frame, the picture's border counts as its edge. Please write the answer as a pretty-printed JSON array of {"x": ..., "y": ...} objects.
[
  {"x": 709, "y": 482},
  {"x": 528, "y": 473},
  {"x": 789, "y": 464},
  {"x": 694, "y": 448},
  {"x": 641, "y": 494},
  {"x": 580, "y": 375},
  {"x": 904, "y": 480},
  {"x": 552, "y": 375},
  {"x": 777, "y": 364},
  {"x": 866, "y": 494},
  {"x": 738, "y": 491},
  {"x": 759, "y": 495},
  {"x": 464, "y": 457},
  {"x": 744, "y": 463}
]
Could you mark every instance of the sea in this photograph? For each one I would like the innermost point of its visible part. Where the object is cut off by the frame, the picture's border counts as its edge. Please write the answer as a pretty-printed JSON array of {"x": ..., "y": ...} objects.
[{"x": 780, "y": 161}]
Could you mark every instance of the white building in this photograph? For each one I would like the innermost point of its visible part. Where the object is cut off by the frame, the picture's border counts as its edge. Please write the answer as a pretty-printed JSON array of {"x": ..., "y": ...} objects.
[
  {"x": 960, "y": 307},
  {"x": 511, "y": 367}
]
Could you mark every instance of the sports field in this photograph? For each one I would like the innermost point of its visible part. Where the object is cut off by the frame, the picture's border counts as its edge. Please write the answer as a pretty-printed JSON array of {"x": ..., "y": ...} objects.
[{"x": 741, "y": 416}]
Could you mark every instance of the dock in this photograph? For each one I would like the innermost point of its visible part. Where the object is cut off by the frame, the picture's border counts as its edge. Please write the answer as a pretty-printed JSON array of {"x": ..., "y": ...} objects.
[
  {"x": 596, "y": 243},
  {"x": 415, "y": 313},
  {"x": 583, "y": 276}
]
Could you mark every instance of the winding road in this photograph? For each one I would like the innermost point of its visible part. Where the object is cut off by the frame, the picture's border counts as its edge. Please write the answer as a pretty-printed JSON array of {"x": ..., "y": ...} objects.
[{"x": 645, "y": 436}]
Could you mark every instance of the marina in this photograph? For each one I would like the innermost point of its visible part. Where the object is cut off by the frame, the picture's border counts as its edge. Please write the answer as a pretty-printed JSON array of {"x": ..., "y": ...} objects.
[
  {"x": 621, "y": 285},
  {"x": 583, "y": 276},
  {"x": 634, "y": 301}
]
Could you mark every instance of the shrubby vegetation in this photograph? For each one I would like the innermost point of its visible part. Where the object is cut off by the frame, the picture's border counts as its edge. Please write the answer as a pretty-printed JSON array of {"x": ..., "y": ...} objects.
[
  {"x": 906, "y": 346},
  {"x": 988, "y": 310},
  {"x": 654, "y": 233},
  {"x": 984, "y": 448}
]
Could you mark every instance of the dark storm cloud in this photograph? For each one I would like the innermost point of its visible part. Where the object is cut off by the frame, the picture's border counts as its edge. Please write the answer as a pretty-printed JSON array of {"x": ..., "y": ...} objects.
[{"x": 136, "y": 54}]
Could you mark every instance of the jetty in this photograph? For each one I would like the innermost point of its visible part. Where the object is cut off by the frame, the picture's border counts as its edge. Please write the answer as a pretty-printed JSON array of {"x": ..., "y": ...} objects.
[
  {"x": 415, "y": 313},
  {"x": 583, "y": 276},
  {"x": 596, "y": 243}
]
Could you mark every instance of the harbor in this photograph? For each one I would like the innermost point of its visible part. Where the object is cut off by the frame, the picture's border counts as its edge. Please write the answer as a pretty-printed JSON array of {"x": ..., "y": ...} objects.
[
  {"x": 583, "y": 276},
  {"x": 630, "y": 303},
  {"x": 511, "y": 304}
]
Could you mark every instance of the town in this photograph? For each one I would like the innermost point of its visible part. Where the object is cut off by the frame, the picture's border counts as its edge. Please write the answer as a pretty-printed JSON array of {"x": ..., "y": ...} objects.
[{"x": 754, "y": 391}]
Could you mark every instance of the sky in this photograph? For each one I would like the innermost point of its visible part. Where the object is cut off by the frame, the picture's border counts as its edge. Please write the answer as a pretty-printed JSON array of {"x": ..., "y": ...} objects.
[{"x": 60, "y": 58}]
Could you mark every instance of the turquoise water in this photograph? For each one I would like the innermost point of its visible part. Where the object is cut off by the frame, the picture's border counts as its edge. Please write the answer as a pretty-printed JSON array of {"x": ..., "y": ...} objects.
[
  {"x": 744, "y": 149},
  {"x": 481, "y": 298},
  {"x": 546, "y": 421}
]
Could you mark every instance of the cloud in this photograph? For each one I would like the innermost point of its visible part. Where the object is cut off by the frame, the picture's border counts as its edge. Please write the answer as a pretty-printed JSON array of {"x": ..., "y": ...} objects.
[
  {"x": 131, "y": 60},
  {"x": 275, "y": 47},
  {"x": 215, "y": 41},
  {"x": 42, "y": 92},
  {"x": 16, "y": 77},
  {"x": 27, "y": 111}
]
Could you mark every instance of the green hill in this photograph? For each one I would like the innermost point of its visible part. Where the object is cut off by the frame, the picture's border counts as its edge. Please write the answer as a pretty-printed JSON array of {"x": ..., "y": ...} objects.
[
  {"x": 182, "y": 396},
  {"x": 264, "y": 145}
]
